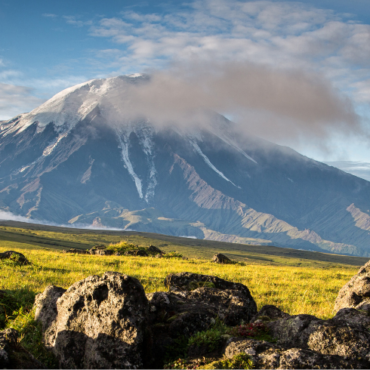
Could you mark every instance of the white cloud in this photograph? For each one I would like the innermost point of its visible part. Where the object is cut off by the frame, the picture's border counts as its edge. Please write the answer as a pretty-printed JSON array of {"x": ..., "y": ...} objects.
[
  {"x": 15, "y": 100},
  {"x": 282, "y": 34},
  {"x": 49, "y": 15},
  {"x": 71, "y": 19}
]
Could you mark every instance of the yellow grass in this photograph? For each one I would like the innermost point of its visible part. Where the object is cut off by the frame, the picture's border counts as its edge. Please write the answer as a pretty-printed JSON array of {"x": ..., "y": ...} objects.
[{"x": 309, "y": 290}]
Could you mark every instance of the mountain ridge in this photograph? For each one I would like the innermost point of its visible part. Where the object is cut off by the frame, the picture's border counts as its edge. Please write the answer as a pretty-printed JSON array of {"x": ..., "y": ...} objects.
[{"x": 99, "y": 167}]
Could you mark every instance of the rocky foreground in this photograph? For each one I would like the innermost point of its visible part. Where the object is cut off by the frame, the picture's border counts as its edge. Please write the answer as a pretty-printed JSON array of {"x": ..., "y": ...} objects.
[{"x": 200, "y": 322}]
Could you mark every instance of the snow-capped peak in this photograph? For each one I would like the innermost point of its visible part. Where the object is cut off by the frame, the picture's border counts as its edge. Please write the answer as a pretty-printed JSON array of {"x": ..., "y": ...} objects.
[{"x": 74, "y": 103}]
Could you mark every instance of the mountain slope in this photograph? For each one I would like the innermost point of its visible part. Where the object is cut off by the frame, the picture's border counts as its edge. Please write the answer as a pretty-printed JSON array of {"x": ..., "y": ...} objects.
[{"x": 78, "y": 159}]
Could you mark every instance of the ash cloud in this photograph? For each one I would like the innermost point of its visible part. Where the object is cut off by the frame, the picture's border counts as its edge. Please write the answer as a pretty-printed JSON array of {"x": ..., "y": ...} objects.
[{"x": 276, "y": 104}]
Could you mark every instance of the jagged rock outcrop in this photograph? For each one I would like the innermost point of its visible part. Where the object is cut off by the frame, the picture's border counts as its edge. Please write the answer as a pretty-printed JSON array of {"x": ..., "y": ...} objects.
[
  {"x": 193, "y": 304},
  {"x": 98, "y": 249},
  {"x": 109, "y": 322},
  {"x": 271, "y": 356},
  {"x": 232, "y": 301},
  {"x": 100, "y": 323},
  {"x": 46, "y": 306},
  {"x": 220, "y": 258},
  {"x": 17, "y": 257},
  {"x": 154, "y": 250},
  {"x": 328, "y": 337},
  {"x": 136, "y": 252},
  {"x": 356, "y": 292}
]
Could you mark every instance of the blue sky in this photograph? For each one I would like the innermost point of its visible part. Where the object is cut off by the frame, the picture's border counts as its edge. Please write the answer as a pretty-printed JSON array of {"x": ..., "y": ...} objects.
[{"x": 46, "y": 46}]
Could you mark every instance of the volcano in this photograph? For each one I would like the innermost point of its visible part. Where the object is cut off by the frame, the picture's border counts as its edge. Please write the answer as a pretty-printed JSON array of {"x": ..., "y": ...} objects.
[{"x": 77, "y": 159}]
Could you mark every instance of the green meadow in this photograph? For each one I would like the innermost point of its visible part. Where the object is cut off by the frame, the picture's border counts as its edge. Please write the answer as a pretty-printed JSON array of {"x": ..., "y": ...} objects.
[{"x": 295, "y": 281}]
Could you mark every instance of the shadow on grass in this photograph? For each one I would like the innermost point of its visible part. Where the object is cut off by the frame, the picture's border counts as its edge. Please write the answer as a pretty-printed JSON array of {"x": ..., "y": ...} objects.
[{"x": 16, "y": 312}]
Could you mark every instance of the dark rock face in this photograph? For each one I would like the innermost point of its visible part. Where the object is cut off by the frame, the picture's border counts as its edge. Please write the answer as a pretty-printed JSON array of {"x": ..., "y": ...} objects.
[
  {"x": 108, "y": 322},
  {"x": 328, "y": 337},
  {"x": 138, "y": 252},
  {"x": 46, "y": 305},
  {"x": 13, "y": 355},
  {"x": 100, "y": 323},
  {"x": 16, "y": 257},
  {"x": 220, "y": 258},
  {"x": 186, "y": 281},
  {"x": 270, "y": 356},
  {"x": 104, "y": 252},
  {"x": 357, "y": 291},
  {"x": 153, "y": 249},
  {"x": 193, "y": 304},
  {"x": 8, "y": 338},
  {"x": 97, "y": 248},
  {"x": 352, "y": 316}
]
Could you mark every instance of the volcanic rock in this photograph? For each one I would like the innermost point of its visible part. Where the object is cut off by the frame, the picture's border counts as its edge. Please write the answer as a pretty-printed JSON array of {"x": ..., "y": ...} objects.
[
  {"x": 270, "y": 356},
  {"x": 155, "y": 250},
  {"x": 136, "y": 252},
  {"x": 97, "y": 248},
  {"x": 220, "y": 258},
  {"x": 357, "y": 291},
  {"x": 19, "y": 258},
  {"x": 46, "y": 305},
  {"x": 100, "y": 323},
  {"x": 328, "y": 337}
]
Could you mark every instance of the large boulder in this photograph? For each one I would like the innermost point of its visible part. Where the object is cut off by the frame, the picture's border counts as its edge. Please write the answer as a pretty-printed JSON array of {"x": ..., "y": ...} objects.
[
  {"x": 328, "y": 337},
  {"x": 266, "y": 355},
  {"x": 136, "y": 252},
  {"x": 356, "y": 292},
  {"x": 16, "y": 257},
  {"x": 220, "y": 258},
  {"x": 46, "y": 305},
  {"x": 194, "y": 303},
  {"x": 154, "y": 250},
  {"x": 96, "y": 249},
  {"x": 99, "y": 324},
  {"x": 354, "y": 317},
  {"x": 232, "y": 301}
]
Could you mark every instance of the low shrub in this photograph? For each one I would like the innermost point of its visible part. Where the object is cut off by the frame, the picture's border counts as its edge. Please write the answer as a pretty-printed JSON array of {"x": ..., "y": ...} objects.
[
  {"x": 172, "y": 255},
  {"x": 239, "y": 361},
  {"x": 212, "y": 339},
  {"x": 258, "y": 331}
]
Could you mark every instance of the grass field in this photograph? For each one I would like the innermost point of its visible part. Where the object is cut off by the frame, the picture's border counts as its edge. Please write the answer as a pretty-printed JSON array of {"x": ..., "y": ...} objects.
[{"x": 295, "y": 281}]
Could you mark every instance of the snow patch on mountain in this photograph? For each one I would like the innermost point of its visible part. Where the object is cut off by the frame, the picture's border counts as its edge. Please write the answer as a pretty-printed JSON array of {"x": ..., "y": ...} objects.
[
  {"x": 145, "y": 138},
  {"x": 209, "y": 163},
  {"x": 49, "y": 149},
  {"x": 235, "y": 146},
  {"x": 123, "y": 140}
]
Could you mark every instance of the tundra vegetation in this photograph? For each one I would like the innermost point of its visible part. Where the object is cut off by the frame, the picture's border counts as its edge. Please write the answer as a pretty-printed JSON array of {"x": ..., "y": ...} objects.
[{"x": 295, "y": 285}]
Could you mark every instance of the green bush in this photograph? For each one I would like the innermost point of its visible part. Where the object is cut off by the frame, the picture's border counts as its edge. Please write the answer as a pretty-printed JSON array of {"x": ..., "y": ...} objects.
[
  {"x": 14, "y": 303},
  {"x": 212, "y": 338},
  {"x": 172, "y": 255},
  {"x": 123, "y": 247}
]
